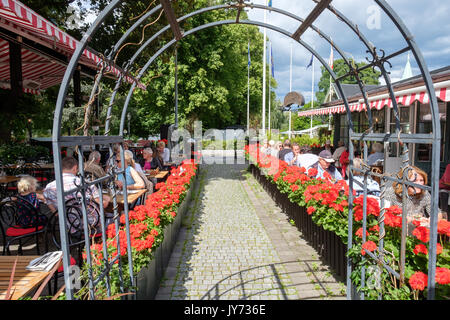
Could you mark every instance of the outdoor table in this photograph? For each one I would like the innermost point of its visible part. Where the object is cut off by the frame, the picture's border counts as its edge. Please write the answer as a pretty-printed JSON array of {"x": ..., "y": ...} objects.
[
  {"x": 24, "y": 280},
  {"x": 159, "y": 176},
  {"x": 8, "y": 179},
  {"x": 5, "y": 181},
  {"x": 133, "y": 196}
]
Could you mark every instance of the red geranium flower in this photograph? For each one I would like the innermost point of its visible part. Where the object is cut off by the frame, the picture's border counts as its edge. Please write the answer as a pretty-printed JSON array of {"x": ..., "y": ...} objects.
[
  {"x": 420, "y": 248},
  {"x": 369, "y": 246},
  {"x": 418, "y": 281},
  {"x": 359, "y": 233},
  {"x": 438, "y": 248},
  {"x": 422, "y": 233},
  {"x": 444, "y": 227},
  {"x": 312, "y": 172},
  {"x": 311, "y": 210},
  {"x": 372, "y": 207},
  {"x": 294, "y": 187},
  {"x": 442, "y": 275}
]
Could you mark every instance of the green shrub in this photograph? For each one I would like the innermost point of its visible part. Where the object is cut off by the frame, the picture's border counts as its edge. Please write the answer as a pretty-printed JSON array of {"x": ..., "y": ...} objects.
[{"x": 13, "y": 152}]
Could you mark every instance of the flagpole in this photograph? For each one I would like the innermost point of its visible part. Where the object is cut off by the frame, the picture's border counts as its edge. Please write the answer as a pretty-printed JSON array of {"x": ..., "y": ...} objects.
[
  {"x": 312, "y": 98},
  {"x": 248, "y": 90},
  {"x": 270, "y": 61},
  {"x": 290, "y": 90},
  {"x": 331, "y": 62},
  {"x": 264, "y": 79}
]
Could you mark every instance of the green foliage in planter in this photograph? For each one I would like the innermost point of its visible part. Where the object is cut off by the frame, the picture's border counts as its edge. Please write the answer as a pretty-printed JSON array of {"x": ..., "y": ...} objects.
[{"x": 13, "y": 152}]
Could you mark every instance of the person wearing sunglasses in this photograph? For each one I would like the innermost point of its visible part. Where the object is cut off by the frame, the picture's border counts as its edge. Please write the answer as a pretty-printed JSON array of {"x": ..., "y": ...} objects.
[{"x": 132, "y": 178}]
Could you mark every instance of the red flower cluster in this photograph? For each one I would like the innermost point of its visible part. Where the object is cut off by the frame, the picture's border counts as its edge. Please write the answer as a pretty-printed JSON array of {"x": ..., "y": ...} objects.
[
  {"x": 373, "y": 208},
  {"x": 392, "y": 217},
  {"x": 311, "y": 210},
  {"x": 442, "y": 275},
  {"x": 145, "y": 220},
  {"x": 369, "y": 246},
  {"x": 444, "y": 227},
  {"x": 418, "y": 281},
  {"x": 420, "y": 248},
  {"x": 359, "y": 233},
  {"x": 422, "y": 233}
]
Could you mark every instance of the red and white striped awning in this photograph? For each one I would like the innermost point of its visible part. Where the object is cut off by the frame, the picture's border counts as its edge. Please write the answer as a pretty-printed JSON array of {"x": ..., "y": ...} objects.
[
  {"x": 18, "y": 18},
  {"x": 38, "y": 72},
  {"x": 442, "y": 93}
]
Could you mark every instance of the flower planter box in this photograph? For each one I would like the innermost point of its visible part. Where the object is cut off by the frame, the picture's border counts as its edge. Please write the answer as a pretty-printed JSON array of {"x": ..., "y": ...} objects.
[
  {"x": 327, "y": 243},
  {"x": 149, "y": 278}
]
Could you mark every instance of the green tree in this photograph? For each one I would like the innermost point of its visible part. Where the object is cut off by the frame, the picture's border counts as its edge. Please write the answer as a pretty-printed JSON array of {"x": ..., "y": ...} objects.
[
  {"x": 212, "y": 71},
  {"x": 367, "y": 76},
  {"x": 212, "y": 76}
]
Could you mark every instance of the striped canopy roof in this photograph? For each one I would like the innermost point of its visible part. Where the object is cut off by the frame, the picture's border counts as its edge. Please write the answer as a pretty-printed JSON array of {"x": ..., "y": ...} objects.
[
  {"x": 406, "y": 99},
  {"x": 40, "y": 71}
]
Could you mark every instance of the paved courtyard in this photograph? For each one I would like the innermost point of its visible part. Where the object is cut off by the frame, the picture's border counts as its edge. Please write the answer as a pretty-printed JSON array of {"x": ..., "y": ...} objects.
[{"x": 235, "y": 243}]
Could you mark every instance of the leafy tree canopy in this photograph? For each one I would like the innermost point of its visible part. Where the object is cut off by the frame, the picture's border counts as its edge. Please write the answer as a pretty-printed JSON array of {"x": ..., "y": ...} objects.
[{"x": 367, "y": 76}]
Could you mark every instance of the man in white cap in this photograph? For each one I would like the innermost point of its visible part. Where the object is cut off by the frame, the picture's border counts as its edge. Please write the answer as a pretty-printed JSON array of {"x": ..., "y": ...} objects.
[{"x": 326, "y": 164}]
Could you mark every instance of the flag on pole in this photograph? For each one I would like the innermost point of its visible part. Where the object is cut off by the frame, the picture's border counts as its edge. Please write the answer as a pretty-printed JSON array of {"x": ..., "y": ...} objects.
[
  {"x": 270, "y": 3},
  {"x": 249, "y": 60},
  {"x": 310, "y": 62},
  {"x": 271, "y": 62},
  {"x": 331, "y": 61}
]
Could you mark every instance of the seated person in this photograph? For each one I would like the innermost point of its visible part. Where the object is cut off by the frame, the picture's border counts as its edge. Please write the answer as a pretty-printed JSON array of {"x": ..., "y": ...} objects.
[
  {"x": 325, "y": 167},
  {"x": 444, "y": 190},
  {"x": 285, "y": 150},
  {"x": 306, "y": 159},
  {"x": 158, "y": 161},
  {"x": 373, "y": 188},
  {"x": 266, "y": 149},
  {"x": 147, "y": 159},
  {"x": 163, "y": 151},
  {"x": 328, "y": 146},
  {"x": 136, "y": 165},
  {"x": 278, "y": 146},
  {"x": 337, "y": 154},
  {"x": 377, "y": 154},
  {"x": 292, "y": 157},
  {"x": 92, "y": 167},
  {"x": 132, "y": 178},
  {"x": 418, "y": 202},
  {"x": 71, "y": 181},
  {"x": 26, "y": 188}
]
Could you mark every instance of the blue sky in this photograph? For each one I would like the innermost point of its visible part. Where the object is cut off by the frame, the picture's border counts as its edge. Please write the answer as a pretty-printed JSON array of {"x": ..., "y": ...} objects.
[{"x": 427, "y": 20}]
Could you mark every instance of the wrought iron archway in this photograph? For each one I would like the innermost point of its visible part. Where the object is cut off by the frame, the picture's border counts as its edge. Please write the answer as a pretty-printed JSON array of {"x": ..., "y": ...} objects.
[{"x": 378, "y": 59}]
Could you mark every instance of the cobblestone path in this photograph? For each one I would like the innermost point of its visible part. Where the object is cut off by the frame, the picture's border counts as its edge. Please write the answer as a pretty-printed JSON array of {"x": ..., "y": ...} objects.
[{"x": 236, "y": 244}]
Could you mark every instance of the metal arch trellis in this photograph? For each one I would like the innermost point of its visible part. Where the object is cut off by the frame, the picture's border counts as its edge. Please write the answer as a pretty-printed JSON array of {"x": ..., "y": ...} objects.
[{"x": 376, "y": 61}]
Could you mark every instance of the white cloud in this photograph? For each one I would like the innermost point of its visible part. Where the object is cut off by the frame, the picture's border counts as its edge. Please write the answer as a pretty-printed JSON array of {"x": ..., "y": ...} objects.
[{"x": 427, "y": 21}]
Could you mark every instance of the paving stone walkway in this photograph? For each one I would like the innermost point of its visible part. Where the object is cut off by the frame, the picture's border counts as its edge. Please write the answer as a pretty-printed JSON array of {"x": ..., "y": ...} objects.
[{"x": 236, "y": 244}]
